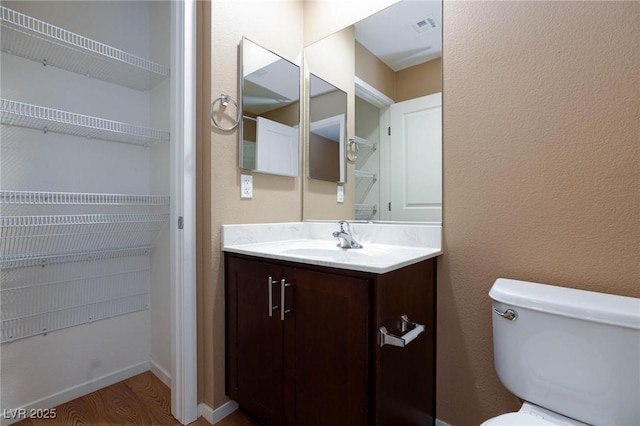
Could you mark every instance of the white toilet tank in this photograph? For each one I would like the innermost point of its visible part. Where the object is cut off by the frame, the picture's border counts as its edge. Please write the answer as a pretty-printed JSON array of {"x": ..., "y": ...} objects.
[{"x": 573, "y": 352}]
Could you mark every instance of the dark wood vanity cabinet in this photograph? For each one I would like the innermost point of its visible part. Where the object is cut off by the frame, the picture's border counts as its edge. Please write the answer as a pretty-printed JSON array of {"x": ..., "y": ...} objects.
[{"x": 323, "y": 364}]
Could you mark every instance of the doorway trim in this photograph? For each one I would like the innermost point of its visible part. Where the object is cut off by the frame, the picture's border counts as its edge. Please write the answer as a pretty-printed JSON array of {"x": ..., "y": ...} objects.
[
  {"x": 370, "y": 94},
  {"x": 184, "y": 396},
  {"x": 383, "y": 102}
]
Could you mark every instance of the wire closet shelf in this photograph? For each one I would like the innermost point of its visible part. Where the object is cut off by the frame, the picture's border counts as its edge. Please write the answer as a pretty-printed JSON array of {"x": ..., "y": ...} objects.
[
  {"x": 76, "y": 198},
  {"x": 21, "y": 114},
  {"x": 110, "y": 254},
  {"x": 93, "y": 262},
  {"x": 24, "y": 238},
  {"x": 31, "y": 38}
]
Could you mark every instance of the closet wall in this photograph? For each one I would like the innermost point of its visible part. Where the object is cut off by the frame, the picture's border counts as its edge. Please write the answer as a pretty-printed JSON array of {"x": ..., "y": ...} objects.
[{"x": 85, "y": 277}]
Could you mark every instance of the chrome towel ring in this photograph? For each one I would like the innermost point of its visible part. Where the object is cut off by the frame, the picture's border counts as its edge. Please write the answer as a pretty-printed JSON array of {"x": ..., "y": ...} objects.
[
  {"x": 352, "y": 150},
  {"x": 224, "y": 102}
]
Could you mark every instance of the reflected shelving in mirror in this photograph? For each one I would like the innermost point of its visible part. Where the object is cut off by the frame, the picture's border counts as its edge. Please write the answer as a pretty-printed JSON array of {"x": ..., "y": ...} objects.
[
  {"x": 365, "y": 211},
  {"x": 270, "y": 130},
  {"x": 360, "y": 150}
]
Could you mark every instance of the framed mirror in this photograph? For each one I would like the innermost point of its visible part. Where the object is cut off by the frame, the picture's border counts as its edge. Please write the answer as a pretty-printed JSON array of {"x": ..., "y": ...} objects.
[
  {"x": 395, "y": 60},
  {"x": 327, "y": 131},
  {"x": 270, "y": 130}
]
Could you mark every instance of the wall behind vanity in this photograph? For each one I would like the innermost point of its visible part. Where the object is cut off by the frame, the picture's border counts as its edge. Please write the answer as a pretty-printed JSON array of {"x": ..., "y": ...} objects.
[
  {"x": 277, "y": 26},
  {"x": 280, "y": 26}
]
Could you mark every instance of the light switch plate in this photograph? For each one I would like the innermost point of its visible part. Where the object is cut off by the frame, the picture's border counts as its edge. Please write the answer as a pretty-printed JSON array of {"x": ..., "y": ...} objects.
[
  {"x": 246, "y": 186},
  {"x": 340, "y": 196}
]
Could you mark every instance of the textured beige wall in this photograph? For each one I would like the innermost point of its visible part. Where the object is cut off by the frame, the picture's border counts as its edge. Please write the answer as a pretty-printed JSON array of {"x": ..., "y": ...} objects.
[
  {"x": 409, "y": 83},
  {"x": 420, "y": 80},
  {"x": 204, "y": 256},
  {"x": 277, "y": 26},
  {"x": 375, "y": 72},
  {"x": 541, "y": 171}
]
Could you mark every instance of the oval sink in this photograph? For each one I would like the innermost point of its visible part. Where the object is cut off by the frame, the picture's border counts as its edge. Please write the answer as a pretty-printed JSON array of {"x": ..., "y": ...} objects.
[
  {"x": 331, "y": 253},
  {"x": 312, "y": 252}
]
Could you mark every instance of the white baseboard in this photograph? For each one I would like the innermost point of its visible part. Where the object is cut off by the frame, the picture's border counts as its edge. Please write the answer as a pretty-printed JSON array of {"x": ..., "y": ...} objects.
[
  {"x": 214, "y": 416},
  {"x": 82, "y": 389},
  {"x": 205, "y": 412},
  {"x": 160, "y": 373}
]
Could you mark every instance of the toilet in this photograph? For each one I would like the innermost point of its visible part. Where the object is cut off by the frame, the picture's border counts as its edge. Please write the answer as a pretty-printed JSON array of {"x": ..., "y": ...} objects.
[{"x": 572, "y": 356}]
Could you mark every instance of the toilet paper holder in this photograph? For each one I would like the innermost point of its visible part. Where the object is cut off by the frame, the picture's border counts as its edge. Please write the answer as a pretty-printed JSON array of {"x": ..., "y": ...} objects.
[{"x": 414, "y": 329}]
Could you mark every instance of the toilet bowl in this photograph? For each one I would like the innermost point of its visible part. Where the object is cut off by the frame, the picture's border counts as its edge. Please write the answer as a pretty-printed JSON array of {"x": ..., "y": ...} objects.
[{"x": 571, "y": 355}]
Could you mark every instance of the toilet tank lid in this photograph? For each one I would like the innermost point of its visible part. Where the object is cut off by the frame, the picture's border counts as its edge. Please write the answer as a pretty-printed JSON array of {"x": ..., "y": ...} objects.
[{"x": 581, "y": 304}]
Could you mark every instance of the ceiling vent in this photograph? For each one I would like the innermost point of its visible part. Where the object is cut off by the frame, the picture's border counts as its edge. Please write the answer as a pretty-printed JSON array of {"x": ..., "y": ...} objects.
[{"x": 424, "y": 25}]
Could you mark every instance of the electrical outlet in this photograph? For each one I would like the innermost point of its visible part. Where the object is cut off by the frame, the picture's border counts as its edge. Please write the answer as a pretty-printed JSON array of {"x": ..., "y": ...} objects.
[
  {"x": 340, "y": 196},
  {"x": 246, "y": 186}
]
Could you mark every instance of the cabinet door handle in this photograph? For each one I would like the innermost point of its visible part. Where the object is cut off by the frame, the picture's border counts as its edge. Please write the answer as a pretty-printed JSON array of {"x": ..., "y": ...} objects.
[
  {"x": 283, "y": 311},
  {"x": 387, "y": 338},
  {"x": 271, "y": 307}
]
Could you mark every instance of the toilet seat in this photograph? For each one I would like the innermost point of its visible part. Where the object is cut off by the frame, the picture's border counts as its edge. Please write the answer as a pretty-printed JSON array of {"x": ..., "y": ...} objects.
[
  {"x": 532, "y": 415},
  {"x": 517, "y": 419}
]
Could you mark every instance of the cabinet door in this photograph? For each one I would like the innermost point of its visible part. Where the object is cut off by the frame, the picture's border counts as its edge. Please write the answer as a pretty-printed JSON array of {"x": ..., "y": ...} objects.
[
  {"x": 326, "y": 357},
  {"x": 254, "y": 339},
  {"x": 405, "y": 377}
]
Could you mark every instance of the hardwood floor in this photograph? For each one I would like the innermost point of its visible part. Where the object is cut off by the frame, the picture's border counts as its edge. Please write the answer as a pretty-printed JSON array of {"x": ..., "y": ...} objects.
[{"x": 140, "y": 400}]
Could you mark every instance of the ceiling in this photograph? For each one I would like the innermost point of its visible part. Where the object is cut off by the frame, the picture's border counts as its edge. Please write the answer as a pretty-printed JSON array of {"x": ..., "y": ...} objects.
[
  {"x": 405, "y": 34},
  {"x": 271, "y": 87}
]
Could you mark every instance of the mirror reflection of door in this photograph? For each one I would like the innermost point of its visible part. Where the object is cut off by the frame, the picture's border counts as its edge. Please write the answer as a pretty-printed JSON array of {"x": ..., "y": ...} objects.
[
  {"x": 398, "y": 113},
  {"x": 415, "y": 152},
  {"x": 327, "y": 130},
  {"x": 270, "y": 131},
  {"x": 400, "y": 146}
]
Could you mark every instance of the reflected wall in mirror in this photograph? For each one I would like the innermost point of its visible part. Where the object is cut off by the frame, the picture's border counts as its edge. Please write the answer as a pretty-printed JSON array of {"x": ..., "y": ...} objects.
[
  {"x": 398, "y": 114},
  {"x": 270, "y": 131},
  {"x": 327, "y": 131}
]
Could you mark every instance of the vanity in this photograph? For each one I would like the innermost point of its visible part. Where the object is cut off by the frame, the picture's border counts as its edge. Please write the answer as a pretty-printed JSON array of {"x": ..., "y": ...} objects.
[{"x": 319, "y": 335}]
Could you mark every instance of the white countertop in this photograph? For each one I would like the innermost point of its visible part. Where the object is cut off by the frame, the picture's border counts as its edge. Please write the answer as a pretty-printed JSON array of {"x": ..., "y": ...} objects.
[{"x": 294, "y": 246}]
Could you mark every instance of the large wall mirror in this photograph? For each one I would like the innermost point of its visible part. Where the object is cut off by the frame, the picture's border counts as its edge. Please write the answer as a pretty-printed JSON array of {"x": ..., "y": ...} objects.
[
  {"x": 398, "y": 115},
  {"x": 327, "y": 131},
  {"x": 270, "y": 131}
]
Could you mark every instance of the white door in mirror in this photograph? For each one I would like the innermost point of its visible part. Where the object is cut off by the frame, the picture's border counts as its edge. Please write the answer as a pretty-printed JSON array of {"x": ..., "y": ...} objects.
[
  {"x": 416, "y": 134},
  {"x": 246, "y": 186},
  {"x": 277, "y": 148}
]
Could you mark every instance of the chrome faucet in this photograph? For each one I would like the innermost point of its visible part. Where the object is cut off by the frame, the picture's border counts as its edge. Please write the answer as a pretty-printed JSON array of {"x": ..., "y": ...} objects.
[{"x": 344, "y": 236}]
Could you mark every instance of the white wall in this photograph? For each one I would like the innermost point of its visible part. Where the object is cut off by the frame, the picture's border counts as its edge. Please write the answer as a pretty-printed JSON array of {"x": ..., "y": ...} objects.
[
  {"x": 45, "y": 370},
  {"x": 160, "y": 303}
]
